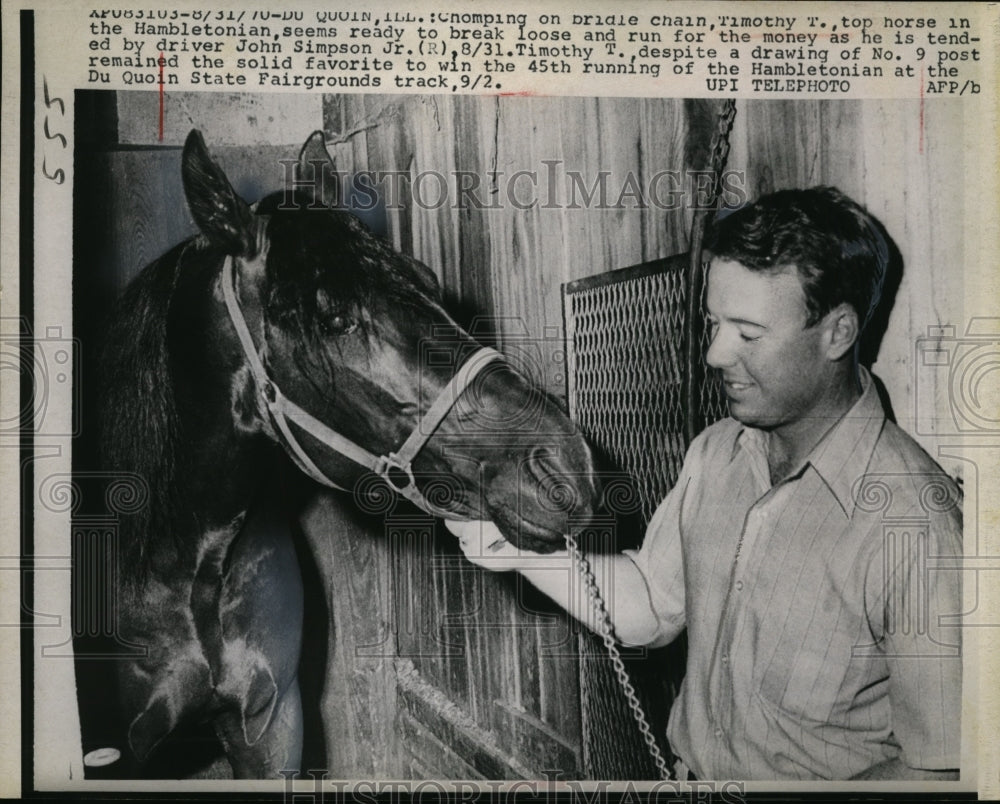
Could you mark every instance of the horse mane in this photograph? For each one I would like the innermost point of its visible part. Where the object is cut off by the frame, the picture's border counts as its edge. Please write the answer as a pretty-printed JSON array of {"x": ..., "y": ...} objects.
[
  {"x": 307, "y": 242},
  {"x": 139, "y": 421}
]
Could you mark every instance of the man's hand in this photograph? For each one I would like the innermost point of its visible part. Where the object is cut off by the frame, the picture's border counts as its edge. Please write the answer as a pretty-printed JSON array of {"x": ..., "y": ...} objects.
[
  {"x": 626, "y": 596},
  {"x": 485, "y": 546}
]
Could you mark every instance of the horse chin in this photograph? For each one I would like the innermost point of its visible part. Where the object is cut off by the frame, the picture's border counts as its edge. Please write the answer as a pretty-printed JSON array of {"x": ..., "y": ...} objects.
[{"x": 526, "y": 534}]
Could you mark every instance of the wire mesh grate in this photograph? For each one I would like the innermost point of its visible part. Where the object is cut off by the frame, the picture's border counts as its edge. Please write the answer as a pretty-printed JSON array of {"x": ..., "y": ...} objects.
[
  {"x": 712, "y": 404},
  {"x": 627, "y": 333},
  {"x": 626, "y": 394}
]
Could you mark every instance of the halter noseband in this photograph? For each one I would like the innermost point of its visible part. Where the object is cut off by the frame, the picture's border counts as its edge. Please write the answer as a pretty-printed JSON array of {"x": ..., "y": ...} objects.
[{"x": 282, "y": 409}]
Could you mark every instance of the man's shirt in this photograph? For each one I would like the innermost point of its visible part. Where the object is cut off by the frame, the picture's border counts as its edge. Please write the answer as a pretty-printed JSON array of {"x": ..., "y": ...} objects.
[{"x": 822, "y": 612}]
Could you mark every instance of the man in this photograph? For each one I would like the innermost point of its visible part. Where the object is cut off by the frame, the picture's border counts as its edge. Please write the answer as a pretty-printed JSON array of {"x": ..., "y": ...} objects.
[{"x": 794, "y": 547}]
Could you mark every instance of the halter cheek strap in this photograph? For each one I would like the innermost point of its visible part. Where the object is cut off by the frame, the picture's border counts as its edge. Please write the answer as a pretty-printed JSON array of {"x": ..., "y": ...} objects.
[{"x": 281, "y": 410}]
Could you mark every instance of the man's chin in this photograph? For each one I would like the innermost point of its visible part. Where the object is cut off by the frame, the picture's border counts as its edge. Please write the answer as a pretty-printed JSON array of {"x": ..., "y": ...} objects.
[{"x": 749, "y": 415}]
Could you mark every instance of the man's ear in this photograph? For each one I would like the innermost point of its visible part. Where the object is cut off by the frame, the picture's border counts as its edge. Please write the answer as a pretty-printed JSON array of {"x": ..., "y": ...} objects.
[{"x": 842, "y": 330}]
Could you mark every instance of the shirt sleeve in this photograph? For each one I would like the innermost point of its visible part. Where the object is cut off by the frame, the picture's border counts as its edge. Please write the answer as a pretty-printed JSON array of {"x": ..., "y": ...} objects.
[
  {"x": 660, "y": 558},
  {"x": 918, "y": 611}
]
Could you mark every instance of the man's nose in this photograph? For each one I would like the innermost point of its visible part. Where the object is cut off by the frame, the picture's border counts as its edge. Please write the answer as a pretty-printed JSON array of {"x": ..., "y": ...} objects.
[{"x": 720, "y": 352}]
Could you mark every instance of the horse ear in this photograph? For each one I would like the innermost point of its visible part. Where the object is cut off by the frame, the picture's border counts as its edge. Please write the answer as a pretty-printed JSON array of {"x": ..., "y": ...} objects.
[
  {"x": 317, "y": 167},
  {"x": 222, "y": 216}
]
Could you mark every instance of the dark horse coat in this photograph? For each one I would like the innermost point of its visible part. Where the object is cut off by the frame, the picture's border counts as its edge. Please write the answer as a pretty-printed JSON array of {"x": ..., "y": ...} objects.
[{"x": 210, "y": 584}]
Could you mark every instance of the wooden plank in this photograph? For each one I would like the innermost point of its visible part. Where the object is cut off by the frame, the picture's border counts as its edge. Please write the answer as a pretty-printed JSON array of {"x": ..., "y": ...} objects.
[
  {"x": 454, "y": 728},
  {"x": 558, "y": 677},
  {"x": 838, "y": 154},
  {"x": 429, "y": 757},
  {"x": 449, "y": 567},
  {"x": 547, "y": 748},
  {"x": 359, "y": 702},
  {"x": 225, "y": 118},
  {"x": 667, "y": 226},
  {"x": 524, "y": 639},
  {"x": 147, "y": 203},
  {"x": 474, "y": 126}
]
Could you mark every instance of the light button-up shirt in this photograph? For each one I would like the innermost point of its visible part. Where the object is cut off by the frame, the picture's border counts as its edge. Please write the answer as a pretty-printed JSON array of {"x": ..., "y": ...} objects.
[{"x": 819, "y": 643}]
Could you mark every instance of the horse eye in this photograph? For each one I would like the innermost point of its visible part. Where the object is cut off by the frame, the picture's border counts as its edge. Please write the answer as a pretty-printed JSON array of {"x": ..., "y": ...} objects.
[{"x": 340, "y": 325}]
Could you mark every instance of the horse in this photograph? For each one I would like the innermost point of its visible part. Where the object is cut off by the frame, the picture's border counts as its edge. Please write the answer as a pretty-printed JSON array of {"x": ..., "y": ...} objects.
[{"x": 287, "y": 326}]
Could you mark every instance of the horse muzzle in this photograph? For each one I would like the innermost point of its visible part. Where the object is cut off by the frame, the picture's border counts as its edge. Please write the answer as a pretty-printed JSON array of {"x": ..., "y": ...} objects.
[{"x": 553, "y": 490}]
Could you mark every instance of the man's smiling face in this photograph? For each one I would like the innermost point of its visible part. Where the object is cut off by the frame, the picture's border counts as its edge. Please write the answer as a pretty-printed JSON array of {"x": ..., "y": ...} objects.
[{"x": 773, "y": 367}]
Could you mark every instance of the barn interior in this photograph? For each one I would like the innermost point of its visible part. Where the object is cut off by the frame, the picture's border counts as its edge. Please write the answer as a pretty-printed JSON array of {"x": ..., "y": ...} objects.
[{"x": 418, "y": 665}]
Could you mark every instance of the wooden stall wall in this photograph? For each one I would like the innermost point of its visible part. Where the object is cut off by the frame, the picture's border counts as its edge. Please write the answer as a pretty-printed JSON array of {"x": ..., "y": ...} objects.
[
  {"x": 515, "y": 196},
  {"x": 437, "y": 669}
]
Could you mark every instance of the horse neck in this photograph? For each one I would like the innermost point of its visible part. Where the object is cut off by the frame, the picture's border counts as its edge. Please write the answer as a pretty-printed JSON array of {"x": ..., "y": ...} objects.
[{"x": 224, "y": 461}]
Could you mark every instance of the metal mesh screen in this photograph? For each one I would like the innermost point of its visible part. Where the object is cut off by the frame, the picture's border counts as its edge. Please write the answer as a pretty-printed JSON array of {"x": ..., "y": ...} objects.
[
  {"x": 712, "y": 404},
  {"x": 627, "y": 334},
  {"x": 626, "y": 341}
]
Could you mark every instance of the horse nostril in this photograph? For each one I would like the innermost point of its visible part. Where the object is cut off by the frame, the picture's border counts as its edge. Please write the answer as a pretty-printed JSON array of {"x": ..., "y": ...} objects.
[
  {"x": 541, "y": 464},
  {"x": 558, "y": 489}
]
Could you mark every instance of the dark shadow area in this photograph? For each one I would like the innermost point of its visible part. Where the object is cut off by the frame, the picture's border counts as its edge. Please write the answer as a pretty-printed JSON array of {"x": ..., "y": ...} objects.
[
  {"x": 871, "y": 339},
  {"x": 194, "y": 749},
  {"x": 316, "y": 627},
  {"x": 94, "y": 643}
]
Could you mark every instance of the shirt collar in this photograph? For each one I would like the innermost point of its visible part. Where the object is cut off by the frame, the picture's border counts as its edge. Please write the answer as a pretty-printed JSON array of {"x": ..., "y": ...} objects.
[{"x": 843, "y": 454}]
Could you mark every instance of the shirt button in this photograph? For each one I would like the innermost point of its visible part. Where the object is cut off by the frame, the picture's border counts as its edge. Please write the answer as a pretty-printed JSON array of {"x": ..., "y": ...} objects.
[
  {"x": 718, "y": 733},
  {"x": 725, "y": 658},
  {"x": 739, "y": 586}
]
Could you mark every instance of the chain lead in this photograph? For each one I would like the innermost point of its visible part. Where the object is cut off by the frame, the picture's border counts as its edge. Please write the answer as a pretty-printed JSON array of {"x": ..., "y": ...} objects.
[
  {"x": 606, "y": 632},
  {"x": 720, "y": 149}
]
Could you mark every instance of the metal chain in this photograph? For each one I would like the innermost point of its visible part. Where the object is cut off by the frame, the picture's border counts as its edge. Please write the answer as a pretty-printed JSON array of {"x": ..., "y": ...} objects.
[
  {"x": 720, "y": 150},
  {"x": 717, "y": 164},
  {"x": 606, "y": 631}
]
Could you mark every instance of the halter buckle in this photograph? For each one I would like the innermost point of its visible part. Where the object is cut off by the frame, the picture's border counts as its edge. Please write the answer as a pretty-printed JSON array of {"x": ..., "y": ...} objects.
[{"x": 384, "y": 469}]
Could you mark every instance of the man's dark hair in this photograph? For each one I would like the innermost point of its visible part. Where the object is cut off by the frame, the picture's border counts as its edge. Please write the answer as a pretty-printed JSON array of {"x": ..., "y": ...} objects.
[{"x": 838, "y": 249}]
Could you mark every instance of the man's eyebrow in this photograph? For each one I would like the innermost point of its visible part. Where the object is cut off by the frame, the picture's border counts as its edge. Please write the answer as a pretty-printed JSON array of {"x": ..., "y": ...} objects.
[
  {"x": 748, "y": 322},
  {"x": 744, "y": 321}
]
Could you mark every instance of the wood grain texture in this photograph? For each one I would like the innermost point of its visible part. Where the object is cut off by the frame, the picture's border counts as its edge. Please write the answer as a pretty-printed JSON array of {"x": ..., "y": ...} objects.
[{"x": 359, "y": 700}]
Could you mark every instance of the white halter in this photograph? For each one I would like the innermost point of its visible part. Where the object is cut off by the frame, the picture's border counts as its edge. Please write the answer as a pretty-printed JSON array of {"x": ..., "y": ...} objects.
[{"x": 282, "y": 409}]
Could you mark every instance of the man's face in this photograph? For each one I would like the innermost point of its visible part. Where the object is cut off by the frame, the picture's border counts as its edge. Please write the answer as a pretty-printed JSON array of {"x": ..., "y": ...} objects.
[{"x": 773, "y": 368}]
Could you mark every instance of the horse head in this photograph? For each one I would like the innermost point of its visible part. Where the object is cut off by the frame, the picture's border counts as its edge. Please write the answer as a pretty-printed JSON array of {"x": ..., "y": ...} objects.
[{"x": 351, "y": 363}]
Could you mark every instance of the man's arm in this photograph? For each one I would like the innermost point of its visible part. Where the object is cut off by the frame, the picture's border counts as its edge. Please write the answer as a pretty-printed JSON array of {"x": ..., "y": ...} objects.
[
  {"x": 915, "y": 609},
  {"x": 621, "y": 584},
  {"x": 895, "y": 769},
  {"x": 643, "y": 591}
]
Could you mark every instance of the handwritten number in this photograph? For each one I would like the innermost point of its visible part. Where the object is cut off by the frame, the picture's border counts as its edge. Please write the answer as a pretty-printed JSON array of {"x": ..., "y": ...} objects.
[
  {"x": 58, "y": 175},
  {"x": 48, "y": 102},
  {"x": 56, "y": 136}
]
